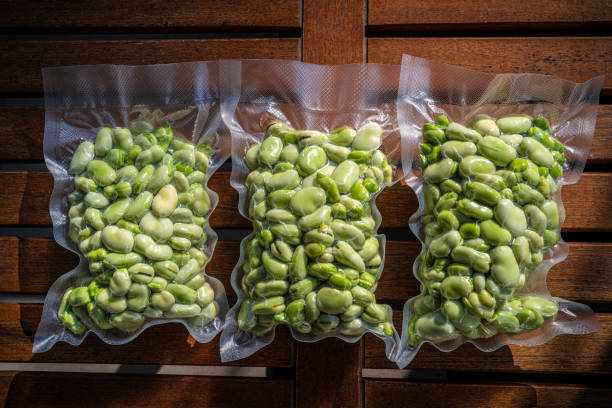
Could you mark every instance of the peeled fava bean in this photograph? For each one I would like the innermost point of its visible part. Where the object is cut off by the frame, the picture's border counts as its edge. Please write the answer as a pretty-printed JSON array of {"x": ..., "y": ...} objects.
[
  {"x": 489, "y": 220},
  {"x": 143, "y": 242},
  {"x": 313, "y": 262}
]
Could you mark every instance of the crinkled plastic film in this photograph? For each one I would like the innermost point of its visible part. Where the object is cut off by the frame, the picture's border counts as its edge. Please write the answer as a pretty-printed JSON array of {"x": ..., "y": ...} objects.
[
  {"x": 428, "y": 89},
  {"x": 79, "y": 101},
  {"x": 303, "y": 96}
]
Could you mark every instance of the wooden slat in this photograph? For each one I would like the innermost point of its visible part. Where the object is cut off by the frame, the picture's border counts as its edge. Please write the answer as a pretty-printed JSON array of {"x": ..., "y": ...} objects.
[
  {"x": 24, "y": 198},
  {"x": 163, "y": 344},
  {"x": 31, "y": 265},
  {"x": 144, "y": 391},
  {"x": 589, "y": 353},
  {"x": 333, "y": 32},
  {"x": 22, "y": 129},
  {"x": 22, "y": 72},
  {"x": 9, "y": 264},
  {"x": 426, "y": 13},
  {"x": 385, "y": 393},
  {"x": 328, "y": 374},
  {"x": 6, "y": 378},
  {"x": 601, "y": 149},
  {"x": 572, "y": 58},
  {"x": 159, "y": 15}
]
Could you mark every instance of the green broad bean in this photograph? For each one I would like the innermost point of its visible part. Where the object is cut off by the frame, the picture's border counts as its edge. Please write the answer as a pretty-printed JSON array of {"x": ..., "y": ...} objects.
[
  {"x": 485, "y": 125},
  {"x": 470, "y": 166},
  {"x": 456, "y": 131},
  {"x": 440, "y": 171},
  {"x": 336, "y": 153},
  {"x": 514, "y": 124},
  {"x": 489, "y": 219},
  {"x": 536, "y": 152},
  {"x": 457, "y": 150},
  {"x": 496, "y": 150},
  {"x": 472, "y": 209}
]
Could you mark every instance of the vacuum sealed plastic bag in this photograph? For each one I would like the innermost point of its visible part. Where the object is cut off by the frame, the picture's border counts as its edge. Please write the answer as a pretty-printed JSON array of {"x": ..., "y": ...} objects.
[
  {"x": 131, "y": 150},
  {"x": 487, "y": 156},
  {"x": 312, "y": 147}
]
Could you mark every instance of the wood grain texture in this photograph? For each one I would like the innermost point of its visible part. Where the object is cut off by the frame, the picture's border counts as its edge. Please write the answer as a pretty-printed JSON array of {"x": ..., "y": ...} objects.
[
  {"x": 9, "y": 264},
  {"x": 6, "y": 378},
  {"x": 31, "y": 265},
  {"x": 384, "y": 393},
  {"x": 333, "y": 32},
  {"x": 328, "y": 374},
  {"x": 158, "y": 15},
  {"x": 24, "y": 200},
  {"x": 78, "y": 390},
  {"x": 163, "y": 344},
  {"x": 22, "y": 72},
  {"x": 572, "y": 58},
  {"x": 22, "y": 128},
  {"x": 569, "y": 354},
  {"x": 424, "y": 12}
]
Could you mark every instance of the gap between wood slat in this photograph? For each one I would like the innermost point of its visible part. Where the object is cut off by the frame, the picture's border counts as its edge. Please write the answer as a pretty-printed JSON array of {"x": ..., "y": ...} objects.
[{"x": 156, "y": 369}]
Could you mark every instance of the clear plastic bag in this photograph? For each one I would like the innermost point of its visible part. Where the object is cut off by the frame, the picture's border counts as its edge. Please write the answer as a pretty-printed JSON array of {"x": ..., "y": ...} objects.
[
  {"x": 82, "y": 100},
  {"x": 321, "y": 99},
  {"x": 428, "y": 89}
]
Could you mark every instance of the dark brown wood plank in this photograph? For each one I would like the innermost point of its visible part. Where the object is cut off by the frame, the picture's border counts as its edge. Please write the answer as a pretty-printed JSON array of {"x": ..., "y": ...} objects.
[
  {"x": 333, "y": 32},
  {"x": 24, "y": 198},
  {"x": 6, "y": 378},
  {"x": 22, "y": 128},
  {"x": 385, "y": 393},
  {"x": 424, "y": 12},
  {"x": 569, "y": 354},
  {"x": 22, "y": 72},
  {"x": 31, "y": 265},
  {"x": 9, "y": 264},
  {"x": 572, "y": 58},
  {"x": 143, "y": 391},
  {"x": 158, "y": 15},
  {"x": 328, "y": 374},
  {"x": 163, "y": 344},
  {"x": 601, "y": 149}
]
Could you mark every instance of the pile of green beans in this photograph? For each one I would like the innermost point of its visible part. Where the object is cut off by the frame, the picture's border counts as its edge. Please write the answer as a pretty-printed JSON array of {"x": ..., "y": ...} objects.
[
  {"x": 138, "y": 214},
  {"x": 314, "y": 261},
  {"x": 490, "y": 218}
]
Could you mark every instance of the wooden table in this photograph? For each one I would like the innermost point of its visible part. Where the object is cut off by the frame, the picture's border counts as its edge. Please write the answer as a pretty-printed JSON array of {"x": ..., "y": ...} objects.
[{"x": 492, "y": 35}]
